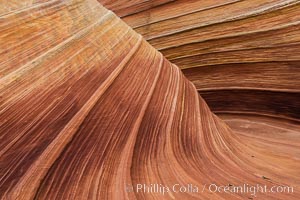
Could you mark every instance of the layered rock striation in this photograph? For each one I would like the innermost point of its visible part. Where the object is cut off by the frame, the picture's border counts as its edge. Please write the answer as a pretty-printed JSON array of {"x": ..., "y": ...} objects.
[
  {"x": 242, "y": 56},
  {"x": 89, "y": 109}
]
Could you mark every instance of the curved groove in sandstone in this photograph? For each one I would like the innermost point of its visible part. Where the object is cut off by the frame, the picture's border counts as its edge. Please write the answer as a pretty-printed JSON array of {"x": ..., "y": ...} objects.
[
  {"x": 225, "y": 41},
  {"x": 88, "y": 107}
]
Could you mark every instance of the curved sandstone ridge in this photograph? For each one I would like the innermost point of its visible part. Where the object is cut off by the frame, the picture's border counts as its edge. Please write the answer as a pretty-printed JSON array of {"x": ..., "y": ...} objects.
[
  {"x": 248, "y": 48},
  {"x": 89, "y": 109}
]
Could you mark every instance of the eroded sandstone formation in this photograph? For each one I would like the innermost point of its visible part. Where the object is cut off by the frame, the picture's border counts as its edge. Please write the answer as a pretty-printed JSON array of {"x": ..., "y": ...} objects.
[
  {"x": 242, "y": 56},
  {"x": 88, "y": 109}
]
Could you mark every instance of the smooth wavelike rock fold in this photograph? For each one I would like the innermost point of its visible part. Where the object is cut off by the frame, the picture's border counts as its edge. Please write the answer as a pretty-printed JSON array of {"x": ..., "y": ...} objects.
[
  {"x": 243, "y": 56},
  {"x": 89, "y": 109}
]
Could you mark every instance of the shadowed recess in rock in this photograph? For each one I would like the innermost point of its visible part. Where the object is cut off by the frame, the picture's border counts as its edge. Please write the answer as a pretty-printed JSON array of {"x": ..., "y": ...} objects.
[{"x": 228, "y": 44}]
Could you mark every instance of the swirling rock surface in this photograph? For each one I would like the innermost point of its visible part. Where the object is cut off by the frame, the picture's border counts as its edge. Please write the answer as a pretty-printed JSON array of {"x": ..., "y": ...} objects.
[
  {"x": 89, "y": 108},
  {"x": 242, "y": 56}
]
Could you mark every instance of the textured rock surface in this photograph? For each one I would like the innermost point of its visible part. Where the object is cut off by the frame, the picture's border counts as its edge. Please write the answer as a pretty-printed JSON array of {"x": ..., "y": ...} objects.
[
  {"x": 246, "y": 51},
  {"x": 88, "y": 107}
]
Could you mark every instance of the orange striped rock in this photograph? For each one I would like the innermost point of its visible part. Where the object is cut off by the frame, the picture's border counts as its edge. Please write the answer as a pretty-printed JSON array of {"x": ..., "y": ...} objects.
[
  {"x": 245, "y": 50},
  {"x": 90, "y": 110}
]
